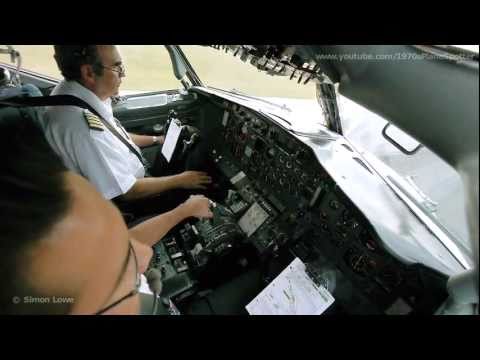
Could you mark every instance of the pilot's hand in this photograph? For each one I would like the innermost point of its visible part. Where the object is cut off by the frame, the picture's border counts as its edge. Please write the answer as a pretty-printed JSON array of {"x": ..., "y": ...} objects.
[
  {"x": 160, "y": 139},
  {"x": 194, "y": 180},
  {"x": 198, "y": 206}
]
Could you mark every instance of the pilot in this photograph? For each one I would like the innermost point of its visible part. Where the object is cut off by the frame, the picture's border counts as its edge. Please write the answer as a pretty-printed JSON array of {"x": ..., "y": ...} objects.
[
  {"x": 64, "y": 248},
  {"x": 113, "y": 165}
]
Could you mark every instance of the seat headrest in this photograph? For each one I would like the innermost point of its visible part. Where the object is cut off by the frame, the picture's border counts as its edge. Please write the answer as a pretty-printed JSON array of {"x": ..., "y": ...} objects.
[{"x": 5, "y": 77}]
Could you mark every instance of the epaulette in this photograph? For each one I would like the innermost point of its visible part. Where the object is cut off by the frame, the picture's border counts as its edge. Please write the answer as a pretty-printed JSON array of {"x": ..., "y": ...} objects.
[{"x": 93, "y": 121}]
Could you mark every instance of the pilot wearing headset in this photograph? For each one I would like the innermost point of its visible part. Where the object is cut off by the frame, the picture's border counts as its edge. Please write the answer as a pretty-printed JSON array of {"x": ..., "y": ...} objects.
[
  {"x": 108, "y": 156},
  {"x": 64, "y": 249}
]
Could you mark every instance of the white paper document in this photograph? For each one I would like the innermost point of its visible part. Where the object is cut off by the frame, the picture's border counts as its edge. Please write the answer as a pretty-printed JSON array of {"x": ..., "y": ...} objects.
[
  {"x": 291, "y": 293},
  {"x": 171, "y": 140}
]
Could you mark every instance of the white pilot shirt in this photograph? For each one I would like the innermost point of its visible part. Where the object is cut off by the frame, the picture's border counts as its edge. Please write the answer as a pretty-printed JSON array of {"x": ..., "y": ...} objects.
[{"x": 97, "y": 155}]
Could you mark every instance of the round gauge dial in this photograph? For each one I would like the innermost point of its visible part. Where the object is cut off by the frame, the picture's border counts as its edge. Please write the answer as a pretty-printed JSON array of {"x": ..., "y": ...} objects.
[
  {"x": 346, "y": 215},
  {"x": 363, "y": 265},
  {"x": 334, "y": 205},
  {"x": 360, "y": 263},
  {"x": 324, "y": 228}
]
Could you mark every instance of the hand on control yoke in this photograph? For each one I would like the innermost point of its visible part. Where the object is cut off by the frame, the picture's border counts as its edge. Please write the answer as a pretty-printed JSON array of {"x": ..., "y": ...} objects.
[
  {"x": 199, "y": 206},
  {"x": 194, "y": 180}
]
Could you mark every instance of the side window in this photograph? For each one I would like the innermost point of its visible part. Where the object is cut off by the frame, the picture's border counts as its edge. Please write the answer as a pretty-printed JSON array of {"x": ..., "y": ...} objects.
[
  {"x": 147, "y": 68},
  {"x": 39, "y": 59}
]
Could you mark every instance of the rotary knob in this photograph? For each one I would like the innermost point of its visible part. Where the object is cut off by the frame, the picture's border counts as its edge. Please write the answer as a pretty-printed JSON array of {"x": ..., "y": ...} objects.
[{"x": 282, "y": 238}]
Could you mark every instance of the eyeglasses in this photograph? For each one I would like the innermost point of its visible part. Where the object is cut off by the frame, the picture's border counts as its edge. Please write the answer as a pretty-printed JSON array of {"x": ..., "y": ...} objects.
[
  {"x": 138, "y": 282},
  {"x": 120, "y": 69}
]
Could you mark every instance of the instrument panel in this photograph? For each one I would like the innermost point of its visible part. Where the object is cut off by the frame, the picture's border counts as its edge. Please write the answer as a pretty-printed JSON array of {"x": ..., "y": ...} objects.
[
  {"x": 279, "y": 162},
  {"x": 310, "y": 217},
  {"x": 280, "y": 203}
]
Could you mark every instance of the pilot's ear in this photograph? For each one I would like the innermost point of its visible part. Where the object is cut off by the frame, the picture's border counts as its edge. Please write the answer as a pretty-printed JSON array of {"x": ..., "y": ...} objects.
[{"x": 87, "y": 74}]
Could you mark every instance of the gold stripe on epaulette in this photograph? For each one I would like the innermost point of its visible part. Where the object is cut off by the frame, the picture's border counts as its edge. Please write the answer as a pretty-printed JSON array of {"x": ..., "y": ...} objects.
[
  {"x": 96, "y": 127},
  {"x": 93, "y": 118},
  {"x": 92, "y": 124},
  {"x": 93, "y": 121}
]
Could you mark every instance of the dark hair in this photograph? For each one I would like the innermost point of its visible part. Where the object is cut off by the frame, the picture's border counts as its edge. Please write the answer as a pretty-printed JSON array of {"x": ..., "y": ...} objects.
[
  {"x": 70, "y": 58},
  {"x": 33, "y": 198}
]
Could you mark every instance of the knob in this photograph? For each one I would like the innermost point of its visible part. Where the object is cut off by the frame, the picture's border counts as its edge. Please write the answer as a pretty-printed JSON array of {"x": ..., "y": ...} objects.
[
  {"x": 334, "y": 204},
  {"x": 323, "y": 215},
  {"x": 282, "y": 238},
  {"x": 157, "y": 128}
]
